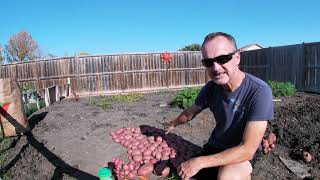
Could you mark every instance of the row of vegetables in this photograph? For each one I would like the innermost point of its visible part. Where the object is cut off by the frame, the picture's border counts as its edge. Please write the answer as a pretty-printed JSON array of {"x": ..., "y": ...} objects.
[{"x": 150, "y": 150}]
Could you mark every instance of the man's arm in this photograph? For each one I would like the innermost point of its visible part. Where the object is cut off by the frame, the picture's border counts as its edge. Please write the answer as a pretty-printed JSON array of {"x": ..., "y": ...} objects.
[
  {"x": 252, "y": 137},
  {"x": 187, "y": 115}
]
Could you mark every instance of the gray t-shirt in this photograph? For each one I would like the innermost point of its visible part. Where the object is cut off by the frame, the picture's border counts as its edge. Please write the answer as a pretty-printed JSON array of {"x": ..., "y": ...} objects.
[{"x": 251, "y": 101}]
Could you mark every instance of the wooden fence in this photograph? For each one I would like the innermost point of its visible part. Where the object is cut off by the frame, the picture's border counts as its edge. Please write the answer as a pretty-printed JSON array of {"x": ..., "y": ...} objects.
[
  {"x": 111, "y": 73},
  {"x": 299, "y": 64}
]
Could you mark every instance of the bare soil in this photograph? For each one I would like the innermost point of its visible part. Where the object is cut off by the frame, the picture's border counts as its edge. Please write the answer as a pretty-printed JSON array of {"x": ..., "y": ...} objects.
[{"x": 70, "y": 139}]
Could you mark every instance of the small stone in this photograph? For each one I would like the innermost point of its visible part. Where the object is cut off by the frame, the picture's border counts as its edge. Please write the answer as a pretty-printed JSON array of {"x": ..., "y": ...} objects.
[{"x": 163, "y": 104}]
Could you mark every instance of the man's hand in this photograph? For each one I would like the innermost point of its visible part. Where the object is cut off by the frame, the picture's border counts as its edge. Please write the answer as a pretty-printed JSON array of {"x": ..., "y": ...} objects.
[
  {"x": 169, "y": 126},
  {"x": 269, "y": 143},
  {"x": 189, "y": 168}
]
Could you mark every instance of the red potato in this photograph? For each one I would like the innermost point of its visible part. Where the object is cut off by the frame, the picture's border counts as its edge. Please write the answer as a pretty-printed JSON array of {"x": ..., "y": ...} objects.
[
  {"x": 119, "y": 131},
  {"x": 159, "y": 139},
  {"x": 135, "y": 152},
  {"x": 147, "y": 157},
  {"x": 166, "y": 152},
  {"x": 127, "y": 137},
  {"x": 158, "y": 155},
  {"x": 154, "y": 153},
  {"x": 137, "y": 158},
  {"x": 131, "y": 175},
  {"x": 162, "y": 169},
  {"x": 152, "y": 148},
  {"x": 145, "y": 169},
  {"x": 271, "y": 138},
  {"x": 147, "y": 152},
  {"x": 153, "y": 161},
  {"x": 164, "y": 144},
  {"x": 307, "y": 157},
  {"x": 164, "y": 157}
]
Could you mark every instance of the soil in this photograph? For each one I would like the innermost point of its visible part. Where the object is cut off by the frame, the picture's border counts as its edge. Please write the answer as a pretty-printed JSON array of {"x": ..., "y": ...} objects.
[{"x": 70, "y": 139}]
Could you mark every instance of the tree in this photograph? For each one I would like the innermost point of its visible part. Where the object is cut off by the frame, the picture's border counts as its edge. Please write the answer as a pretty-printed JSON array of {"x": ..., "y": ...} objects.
[
  {"x": 191, "y": 47},
  {"x": 1, "y": 55},
  {"x": 21, "y": 47},
  {"x": 83, "y": 53}
]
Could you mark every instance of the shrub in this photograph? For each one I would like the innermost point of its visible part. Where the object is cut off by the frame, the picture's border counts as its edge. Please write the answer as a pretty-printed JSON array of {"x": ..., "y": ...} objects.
[
  {"x": 282, "y": 88},
  {"x": 186, "y": 97}
]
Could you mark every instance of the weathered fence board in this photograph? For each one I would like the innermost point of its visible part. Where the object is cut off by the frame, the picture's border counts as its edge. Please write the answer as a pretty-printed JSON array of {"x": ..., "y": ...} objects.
[{"x": 299, "y": 64}]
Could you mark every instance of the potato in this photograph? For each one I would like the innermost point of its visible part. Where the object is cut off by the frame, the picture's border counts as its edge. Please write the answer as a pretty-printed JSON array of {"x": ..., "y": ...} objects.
[
  {"x": 307, "y": 157},
  {"x": 145, "y": 169},
  {"x": 271, "y": 138},
  {"x": 159, "y": 139},
  {"x": 137, "y": 158}
]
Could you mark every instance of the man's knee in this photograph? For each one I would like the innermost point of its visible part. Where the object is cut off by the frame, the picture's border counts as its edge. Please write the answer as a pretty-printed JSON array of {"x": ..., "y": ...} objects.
[{"x": 235, "y": 171}]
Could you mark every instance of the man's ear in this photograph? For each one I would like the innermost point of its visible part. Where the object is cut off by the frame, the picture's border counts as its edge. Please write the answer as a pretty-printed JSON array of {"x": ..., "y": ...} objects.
[{"x": 237, "y": 58}]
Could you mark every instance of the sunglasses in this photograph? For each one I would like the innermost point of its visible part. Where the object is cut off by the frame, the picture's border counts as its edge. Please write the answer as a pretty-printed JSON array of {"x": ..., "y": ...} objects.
[{"x": 208, "y": 62}]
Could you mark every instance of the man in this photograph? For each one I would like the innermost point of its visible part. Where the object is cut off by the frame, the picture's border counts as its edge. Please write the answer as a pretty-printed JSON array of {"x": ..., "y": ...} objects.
[{"x": 241, "y": 104}]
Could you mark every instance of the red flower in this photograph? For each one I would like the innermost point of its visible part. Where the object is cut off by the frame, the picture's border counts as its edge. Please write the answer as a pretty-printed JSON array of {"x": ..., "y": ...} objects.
[{"x": 166, "y": 57}]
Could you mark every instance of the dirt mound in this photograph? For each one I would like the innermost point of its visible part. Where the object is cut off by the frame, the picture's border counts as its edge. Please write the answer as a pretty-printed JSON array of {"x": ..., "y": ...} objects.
[
  {"x": 297, "y": 125},
  {"x": 70, "y": 140}
]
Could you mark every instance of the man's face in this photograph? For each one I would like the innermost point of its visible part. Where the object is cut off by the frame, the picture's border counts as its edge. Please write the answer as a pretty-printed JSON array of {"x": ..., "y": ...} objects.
[{"x": 221, "y": 74}]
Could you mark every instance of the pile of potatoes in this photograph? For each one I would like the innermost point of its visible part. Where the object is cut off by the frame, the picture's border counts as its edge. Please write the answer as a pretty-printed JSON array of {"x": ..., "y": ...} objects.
[{"x": 150, "y": 150}]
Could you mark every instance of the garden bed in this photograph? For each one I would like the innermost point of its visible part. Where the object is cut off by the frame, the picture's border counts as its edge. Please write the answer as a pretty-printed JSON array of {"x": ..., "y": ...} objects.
[{"x": 70, "y": 139}]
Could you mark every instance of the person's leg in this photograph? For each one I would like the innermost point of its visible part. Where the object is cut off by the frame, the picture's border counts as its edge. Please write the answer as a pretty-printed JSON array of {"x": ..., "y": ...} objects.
[{"x": 235, "y": 171}]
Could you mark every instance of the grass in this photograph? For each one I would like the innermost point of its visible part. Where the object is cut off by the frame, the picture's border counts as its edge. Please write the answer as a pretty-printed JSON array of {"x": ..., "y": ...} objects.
[
  {"x": 127, "y": 98},
  {"x": 174, "y": 176},
  {"x": 105, "y": 102},
  {"x": 4, "y": 146}
]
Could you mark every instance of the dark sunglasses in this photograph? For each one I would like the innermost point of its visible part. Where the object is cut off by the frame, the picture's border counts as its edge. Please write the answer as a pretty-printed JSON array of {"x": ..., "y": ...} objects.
[{"x": 208, "y": 62}]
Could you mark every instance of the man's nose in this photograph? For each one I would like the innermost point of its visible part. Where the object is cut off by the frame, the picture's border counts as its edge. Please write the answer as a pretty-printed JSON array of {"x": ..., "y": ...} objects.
[{"x": 215, "y": 66}]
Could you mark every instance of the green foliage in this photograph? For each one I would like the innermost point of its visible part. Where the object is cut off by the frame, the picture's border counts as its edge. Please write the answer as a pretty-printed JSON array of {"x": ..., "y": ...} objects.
[
  {"x": 191, "y": 47},
  {"x": 27, "y": 88},
  {"x": 174, "y": 176},
  {"x": 132, "y": 97},
  {"x": 5, "y": 144},
  {"x": 32, "y": 107},
  {"x": 282, "y": 88},
  {"x": 102, "y": 102},
  {"x": 106, "y": 102},
  {"x": 186, "y": 97}
]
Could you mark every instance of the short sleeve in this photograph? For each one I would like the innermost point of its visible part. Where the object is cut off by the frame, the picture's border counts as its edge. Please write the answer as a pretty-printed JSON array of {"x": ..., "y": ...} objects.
[
  {"x": 262, "y": 105},
  {"x": 201, "y": 101}
]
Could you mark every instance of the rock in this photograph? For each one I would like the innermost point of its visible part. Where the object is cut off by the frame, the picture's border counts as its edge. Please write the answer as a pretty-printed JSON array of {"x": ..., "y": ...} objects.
[
  {"x": 163, "y": 104},
  {"x": 297, "y": 168}
]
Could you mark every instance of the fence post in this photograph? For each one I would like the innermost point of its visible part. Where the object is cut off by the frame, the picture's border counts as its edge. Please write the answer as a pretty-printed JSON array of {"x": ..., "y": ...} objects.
[{"x": 76, "y": 89}]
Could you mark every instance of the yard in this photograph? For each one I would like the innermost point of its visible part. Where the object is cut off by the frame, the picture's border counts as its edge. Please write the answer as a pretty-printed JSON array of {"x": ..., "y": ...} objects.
[{"x": 71, "y": 139}]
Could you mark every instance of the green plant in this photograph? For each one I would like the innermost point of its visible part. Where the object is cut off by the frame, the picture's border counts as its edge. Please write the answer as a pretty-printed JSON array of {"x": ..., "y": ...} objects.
[
  {"x": 186, "y": 97},
  {"x": 102, "y": 102},
  {"x": 174, "y": 176},
  {"x": 282, "y": 88},
  {"x": 131, "y": 97},
  {"x": 5, "y": 144},
  {"x": 27, "y": 88}
]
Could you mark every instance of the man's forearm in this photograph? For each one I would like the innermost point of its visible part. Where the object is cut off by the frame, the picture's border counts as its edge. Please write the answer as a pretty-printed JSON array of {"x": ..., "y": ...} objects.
[
  {"x": 229, "y": 156},
  {"x": 184, "y": 117}
]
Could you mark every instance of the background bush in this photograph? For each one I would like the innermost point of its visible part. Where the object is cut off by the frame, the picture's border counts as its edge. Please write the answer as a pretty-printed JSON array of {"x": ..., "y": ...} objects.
[
  {"x": 282, "y": 88},
  {"x": 186, "y": 97}
]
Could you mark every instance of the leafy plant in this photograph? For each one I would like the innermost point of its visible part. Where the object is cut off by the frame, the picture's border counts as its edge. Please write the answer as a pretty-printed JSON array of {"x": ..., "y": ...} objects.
[
  {"x": 186, "y": 97},
  {"x": 131, "y": 97},
  {"x": 106, "y": 102},
  {"x": 27, "y": 88},
  {"x": 282, "y": 88},
  {"x": 102, "y": 102},
  {"x": 5, "y": 144}
]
